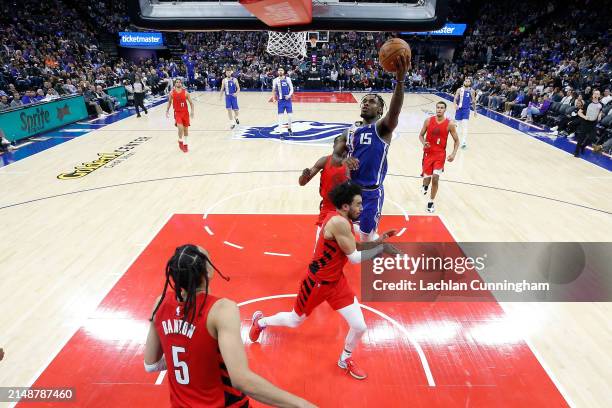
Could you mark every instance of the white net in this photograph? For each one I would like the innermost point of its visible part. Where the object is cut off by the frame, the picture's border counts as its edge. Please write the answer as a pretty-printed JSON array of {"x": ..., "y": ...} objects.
[{"x": 287, "y": 44}]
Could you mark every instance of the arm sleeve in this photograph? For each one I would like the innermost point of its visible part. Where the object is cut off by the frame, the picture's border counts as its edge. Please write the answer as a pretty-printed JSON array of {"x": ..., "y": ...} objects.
[
  {"x": 159, "y": 366},
  {"x": 360, "y": 256}
]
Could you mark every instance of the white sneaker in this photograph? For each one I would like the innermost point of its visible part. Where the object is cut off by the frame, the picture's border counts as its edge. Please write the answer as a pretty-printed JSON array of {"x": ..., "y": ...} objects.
[
  {"x": 431, "y": 207},
  {"x": 424, "y": 189},
  {"x": 464, "y": 145},
  {"x": 554, "y": 128}
]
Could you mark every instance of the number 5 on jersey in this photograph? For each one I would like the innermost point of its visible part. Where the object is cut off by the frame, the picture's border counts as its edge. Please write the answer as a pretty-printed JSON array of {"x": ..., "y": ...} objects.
[{"x": 181, "y": 371}]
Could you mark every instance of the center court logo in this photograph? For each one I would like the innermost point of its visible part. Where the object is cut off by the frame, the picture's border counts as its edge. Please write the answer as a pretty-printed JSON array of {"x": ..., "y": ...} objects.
[{"x": 303, "y": 131}]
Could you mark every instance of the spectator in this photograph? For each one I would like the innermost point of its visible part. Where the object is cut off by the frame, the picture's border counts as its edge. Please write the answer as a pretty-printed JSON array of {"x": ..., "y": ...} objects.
[
  {"x": 4, "y": 103},
  {"x": 606, "y": 98},
  {"x": 16, "y": 102},
  {"x": 51, "y": 95},
  {"x": 91, "y": 100},
  {"x": 106, "y": 101}
]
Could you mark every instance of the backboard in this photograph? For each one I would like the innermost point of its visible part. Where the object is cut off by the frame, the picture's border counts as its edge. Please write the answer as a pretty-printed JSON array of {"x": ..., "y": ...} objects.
[{"x": 330, "y": 15}]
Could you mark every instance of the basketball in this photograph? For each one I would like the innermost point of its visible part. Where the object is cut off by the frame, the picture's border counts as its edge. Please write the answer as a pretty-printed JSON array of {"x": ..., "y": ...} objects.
[{"x": 390, "y": 51}]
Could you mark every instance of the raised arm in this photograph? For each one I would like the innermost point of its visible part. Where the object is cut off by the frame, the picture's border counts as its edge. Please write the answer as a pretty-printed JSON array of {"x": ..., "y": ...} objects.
[
  {"x": 309, "y": 173},
  {"x": 226, "y": 321},
  {"x": 388, "y": 123}
]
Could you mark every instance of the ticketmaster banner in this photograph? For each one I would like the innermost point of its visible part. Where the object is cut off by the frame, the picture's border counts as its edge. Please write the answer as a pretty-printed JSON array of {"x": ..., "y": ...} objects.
[
  {"x": 119, "y": 93},
  {"x": 136, "y": 39},
  {"x": 32, "y": 120},
  {"x": 449, "y": 29},
  {"x": 490, "y": 272}
]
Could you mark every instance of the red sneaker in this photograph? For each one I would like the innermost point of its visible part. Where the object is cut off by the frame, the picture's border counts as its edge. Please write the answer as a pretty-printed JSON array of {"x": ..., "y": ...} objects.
[
  {"x": 256, "y": 329},
  {"x": 185, "y": 148},
  {"x": 351, "y": 368},
  {"x": 180, "y": 145}
]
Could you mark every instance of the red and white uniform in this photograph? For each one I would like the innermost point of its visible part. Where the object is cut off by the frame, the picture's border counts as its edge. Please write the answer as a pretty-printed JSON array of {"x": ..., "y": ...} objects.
[
  {"x": 179, "y": 102},
  {"x": 331, "y": 176},
  {"x": 196, "y": 371},
  {"x": 325, "y": 280},
  {"x": 434, "y": 156}
]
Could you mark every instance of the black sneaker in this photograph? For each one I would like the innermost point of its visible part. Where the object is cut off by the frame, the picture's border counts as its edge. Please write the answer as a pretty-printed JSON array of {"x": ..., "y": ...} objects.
[
  {"x": 237, "y": 121},
  {"x": 430, "y": 207},
  {"x": 424, "y": 189},
  {"x": 290, "y": 132}
]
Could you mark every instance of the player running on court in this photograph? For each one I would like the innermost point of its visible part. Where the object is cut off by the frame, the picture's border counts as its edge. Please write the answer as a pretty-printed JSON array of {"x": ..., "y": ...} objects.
[
  {"x": 434, "y": 136},
  {"x": 178, "y": 98},
  {"x": 367, "y": 147},
  {"x": 325, "y": 280},
  {"x": 197, "y": 337},
  {"x": 230, "y": 87}
]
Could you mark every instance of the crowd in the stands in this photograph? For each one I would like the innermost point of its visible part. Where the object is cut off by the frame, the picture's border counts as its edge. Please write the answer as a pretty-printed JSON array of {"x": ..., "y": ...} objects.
[{"x": 524, "y": 61}]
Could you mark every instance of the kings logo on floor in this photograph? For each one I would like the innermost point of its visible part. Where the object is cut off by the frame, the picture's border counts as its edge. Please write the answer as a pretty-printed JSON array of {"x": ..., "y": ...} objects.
[{"x": 303, "y": 132}]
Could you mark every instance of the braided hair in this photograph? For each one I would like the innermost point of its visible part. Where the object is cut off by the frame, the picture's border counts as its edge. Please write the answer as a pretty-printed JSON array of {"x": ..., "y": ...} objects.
[
  {"x": 184, "y": 272},
  {"x": 379, "y": 100}
]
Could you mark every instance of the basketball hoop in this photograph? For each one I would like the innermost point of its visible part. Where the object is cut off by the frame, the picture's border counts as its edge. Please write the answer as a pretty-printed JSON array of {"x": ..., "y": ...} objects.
[{"x": 287, "y": 44}]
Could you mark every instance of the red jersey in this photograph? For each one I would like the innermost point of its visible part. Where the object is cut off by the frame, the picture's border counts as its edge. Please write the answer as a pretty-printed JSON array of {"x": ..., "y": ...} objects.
[
  {"x": 331, "y": 176},
  {"x": 196, "y": 372},
  {"x": 437, "y": 135},
  {"x": 329, "y": 259},
  {"x": 179, "y": 101}
]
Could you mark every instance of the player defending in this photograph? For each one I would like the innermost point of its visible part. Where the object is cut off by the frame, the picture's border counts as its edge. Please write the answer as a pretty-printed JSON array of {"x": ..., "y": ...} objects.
[
  {"x": 179, "y": 98},
  {"x": 367, "y": 147},
  {"x": 465, "y": 98},
  {"x": 197, "y": 337},
  {"x": 230, "y": 87},
  {"x": 282, "y": 91},
  {"x": 333, "y": 172},
  {"x": 437, "y": 129},
  {"x": 325, "y": 280}
]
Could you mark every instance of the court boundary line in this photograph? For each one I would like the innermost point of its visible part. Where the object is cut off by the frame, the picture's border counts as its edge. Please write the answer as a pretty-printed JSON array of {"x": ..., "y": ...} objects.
[
  {"x": 529, "y": 344},
  {"x": 81, "y": 324},
  {"x": 231, "y": 173}
]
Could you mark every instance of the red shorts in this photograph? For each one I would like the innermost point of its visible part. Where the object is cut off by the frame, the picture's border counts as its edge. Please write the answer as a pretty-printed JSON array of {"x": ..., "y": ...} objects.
[
  {"x": 338, "y": 294},
  {"x": 181, "y": 118},
  {"x": 433, "y": 163}
]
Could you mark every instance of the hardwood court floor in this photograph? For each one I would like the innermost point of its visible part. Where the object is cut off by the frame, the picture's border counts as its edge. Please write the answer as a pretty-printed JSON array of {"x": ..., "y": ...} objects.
[{"x": 68, "y": 241}]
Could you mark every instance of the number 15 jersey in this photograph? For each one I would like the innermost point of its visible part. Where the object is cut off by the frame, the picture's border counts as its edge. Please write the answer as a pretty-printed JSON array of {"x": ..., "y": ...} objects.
[{"x": 365, "y": 144}]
